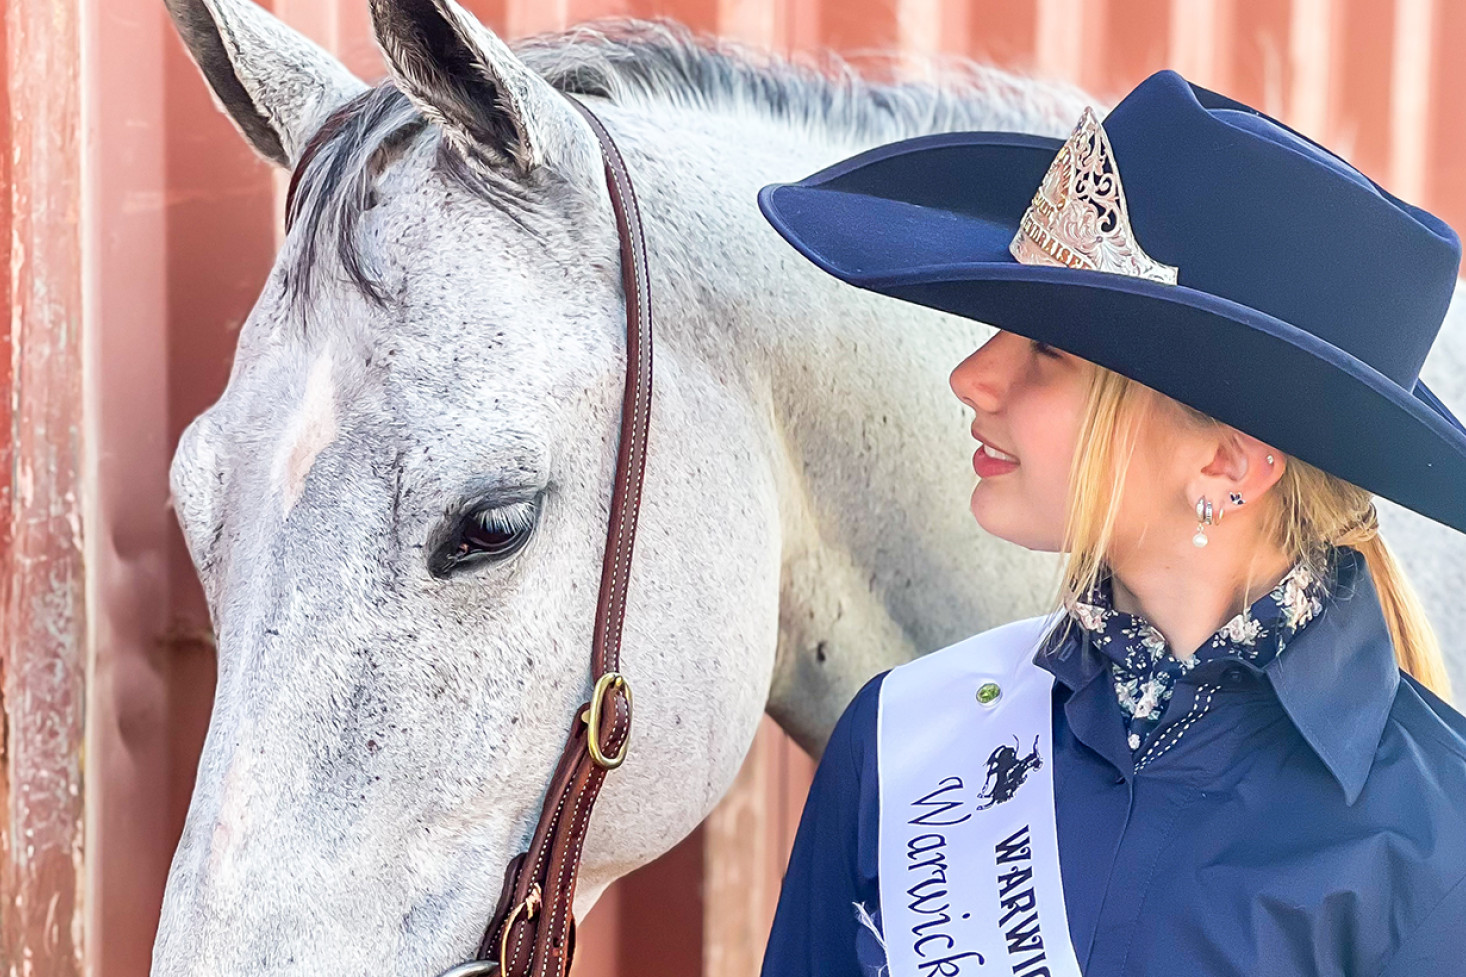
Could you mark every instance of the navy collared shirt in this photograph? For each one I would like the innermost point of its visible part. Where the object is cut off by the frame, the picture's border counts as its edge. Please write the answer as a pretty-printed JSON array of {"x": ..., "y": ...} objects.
[{"x": 1312, "y": 823}]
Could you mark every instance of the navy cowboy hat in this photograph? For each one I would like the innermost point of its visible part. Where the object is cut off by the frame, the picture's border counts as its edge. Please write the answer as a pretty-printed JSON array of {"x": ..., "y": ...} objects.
[{"x": 1306, "y": 297}]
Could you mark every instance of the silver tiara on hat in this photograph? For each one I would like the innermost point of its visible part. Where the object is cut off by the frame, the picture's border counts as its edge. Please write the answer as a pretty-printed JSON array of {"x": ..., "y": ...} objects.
[{"x": 1078, "y": 217}]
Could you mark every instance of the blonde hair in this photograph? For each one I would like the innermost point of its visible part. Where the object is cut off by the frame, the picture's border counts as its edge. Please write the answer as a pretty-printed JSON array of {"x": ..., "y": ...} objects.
[{"x": 1309, "y": 512}]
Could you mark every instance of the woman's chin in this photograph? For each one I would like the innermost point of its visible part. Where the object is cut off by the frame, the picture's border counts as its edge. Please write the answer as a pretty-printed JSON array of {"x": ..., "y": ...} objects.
[
  {"x": 994, "y": 515},
  {"x": 999, "y": 516}
]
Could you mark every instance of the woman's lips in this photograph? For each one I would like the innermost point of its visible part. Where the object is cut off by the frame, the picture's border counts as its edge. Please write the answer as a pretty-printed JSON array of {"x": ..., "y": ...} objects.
[{"x": 986, "y": 465}]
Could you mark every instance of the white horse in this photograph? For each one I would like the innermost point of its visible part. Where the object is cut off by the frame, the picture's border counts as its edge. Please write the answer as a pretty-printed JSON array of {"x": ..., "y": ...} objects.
[{"x": 398, "y": 506}]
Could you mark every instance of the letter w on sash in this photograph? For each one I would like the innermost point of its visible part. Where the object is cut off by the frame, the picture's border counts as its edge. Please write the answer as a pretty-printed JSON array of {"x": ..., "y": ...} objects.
[{"x": 940, "y": 804}]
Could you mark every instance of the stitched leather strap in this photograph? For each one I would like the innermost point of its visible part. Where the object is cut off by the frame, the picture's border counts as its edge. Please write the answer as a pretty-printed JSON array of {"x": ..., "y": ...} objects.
[{"x": 533, "y": 923}]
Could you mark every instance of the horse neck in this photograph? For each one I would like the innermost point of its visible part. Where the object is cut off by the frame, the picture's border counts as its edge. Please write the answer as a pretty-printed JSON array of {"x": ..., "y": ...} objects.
[
  {"x": 849, "y": 392},
  {"x": 697, "y": 176},
  {"x": 728, "y": 291}
]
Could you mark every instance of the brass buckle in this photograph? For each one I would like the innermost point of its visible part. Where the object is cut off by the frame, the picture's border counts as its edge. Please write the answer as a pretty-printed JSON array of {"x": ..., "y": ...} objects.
[{"x": 611, "y": 681}]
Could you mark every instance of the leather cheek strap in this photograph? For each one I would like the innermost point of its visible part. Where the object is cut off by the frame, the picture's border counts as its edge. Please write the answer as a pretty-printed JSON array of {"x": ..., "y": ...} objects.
[
  {"x": 532, "y": 933},
  {"x": 533, "y": 924}
]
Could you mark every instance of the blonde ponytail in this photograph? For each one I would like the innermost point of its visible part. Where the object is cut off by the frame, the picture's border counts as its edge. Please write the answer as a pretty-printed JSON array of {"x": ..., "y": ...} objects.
[
  {"x": 1416, "y": 646},
  {"x": 1310, "y": 513},
  {"x": 1316, "y": 510}
]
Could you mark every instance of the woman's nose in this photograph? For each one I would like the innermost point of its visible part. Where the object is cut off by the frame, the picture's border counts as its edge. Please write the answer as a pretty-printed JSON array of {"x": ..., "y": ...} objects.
[{"x": 979, "y": 380}]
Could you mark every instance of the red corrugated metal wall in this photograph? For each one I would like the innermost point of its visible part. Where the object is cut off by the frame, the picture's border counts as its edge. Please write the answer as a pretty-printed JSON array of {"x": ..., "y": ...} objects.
[{"x": 137, "y": 247}]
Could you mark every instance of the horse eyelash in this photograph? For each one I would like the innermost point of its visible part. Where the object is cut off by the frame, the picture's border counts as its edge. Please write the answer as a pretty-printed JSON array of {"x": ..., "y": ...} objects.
[{"x": 518, "y": 517}]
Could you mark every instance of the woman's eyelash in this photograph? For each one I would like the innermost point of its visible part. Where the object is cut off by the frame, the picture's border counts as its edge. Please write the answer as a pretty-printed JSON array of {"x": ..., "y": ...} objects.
[{"x": 1043, "y": 349}]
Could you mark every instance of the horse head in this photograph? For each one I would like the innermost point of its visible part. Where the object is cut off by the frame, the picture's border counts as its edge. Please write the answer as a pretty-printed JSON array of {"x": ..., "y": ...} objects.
[{"x": 398, "y": 506}]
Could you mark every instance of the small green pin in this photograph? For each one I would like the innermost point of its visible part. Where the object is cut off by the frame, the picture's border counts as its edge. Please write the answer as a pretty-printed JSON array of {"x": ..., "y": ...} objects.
[{"x": 988, "y": 693}]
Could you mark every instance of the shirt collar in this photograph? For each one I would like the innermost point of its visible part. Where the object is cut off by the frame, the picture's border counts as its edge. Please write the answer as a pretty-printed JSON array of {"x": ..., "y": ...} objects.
[
  {"x": 1256, "y": 634},
  {"x": 1336, "y": 683},
  {"x": 1145, "y": 673}
]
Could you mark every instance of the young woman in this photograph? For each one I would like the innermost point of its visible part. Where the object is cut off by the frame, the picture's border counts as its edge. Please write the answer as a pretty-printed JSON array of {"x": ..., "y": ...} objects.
[{"x": 1221, "y": 753}]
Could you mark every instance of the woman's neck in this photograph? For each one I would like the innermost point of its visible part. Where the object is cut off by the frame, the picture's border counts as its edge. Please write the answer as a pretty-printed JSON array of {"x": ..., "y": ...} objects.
[{"x": 1188, "y": 597}]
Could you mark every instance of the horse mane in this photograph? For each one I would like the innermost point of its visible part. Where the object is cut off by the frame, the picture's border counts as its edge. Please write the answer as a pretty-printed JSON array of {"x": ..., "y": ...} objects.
[{"x": 656, "y": 64}]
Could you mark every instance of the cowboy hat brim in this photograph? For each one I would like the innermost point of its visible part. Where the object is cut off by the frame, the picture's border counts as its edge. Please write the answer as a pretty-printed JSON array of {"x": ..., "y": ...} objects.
[{"x": 929, "y": 220}]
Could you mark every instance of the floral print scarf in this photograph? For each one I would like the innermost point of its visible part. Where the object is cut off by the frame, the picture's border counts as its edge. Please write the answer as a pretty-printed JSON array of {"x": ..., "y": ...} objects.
[{"x": 1145, "y": 671}]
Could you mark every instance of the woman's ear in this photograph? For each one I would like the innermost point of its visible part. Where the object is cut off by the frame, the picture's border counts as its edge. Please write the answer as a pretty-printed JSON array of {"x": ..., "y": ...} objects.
[{"x": 1240, "y": 464}]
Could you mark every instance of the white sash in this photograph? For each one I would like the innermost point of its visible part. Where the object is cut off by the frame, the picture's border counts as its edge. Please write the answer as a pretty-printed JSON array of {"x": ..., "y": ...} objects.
[{"x": 969, "y": 855}]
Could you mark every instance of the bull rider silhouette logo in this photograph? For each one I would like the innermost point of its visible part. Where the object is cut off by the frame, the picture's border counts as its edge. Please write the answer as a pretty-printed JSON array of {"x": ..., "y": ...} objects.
[{"x": 1006, "y": 773}]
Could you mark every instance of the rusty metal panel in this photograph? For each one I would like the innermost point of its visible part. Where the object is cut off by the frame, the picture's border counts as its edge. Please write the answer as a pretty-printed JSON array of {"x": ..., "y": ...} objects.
[
  {"x": 43, "y": 615},
  {"x": 748, "y": 838},
  {"x": 1000, "y": 31},
  {"x": 1134, "y": 37},
  {"x": 129, "y": 741},
  {"x": 7, "y": 387},
  {"x": 1360, "y": 99},
  {"x": 1445, "y": 186},
  {"x": 1258, "y": 61}
]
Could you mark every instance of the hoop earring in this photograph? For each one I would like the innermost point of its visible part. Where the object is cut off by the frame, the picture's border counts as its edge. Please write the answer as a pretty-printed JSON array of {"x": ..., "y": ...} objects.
[{"x": 1206, "y": 515}]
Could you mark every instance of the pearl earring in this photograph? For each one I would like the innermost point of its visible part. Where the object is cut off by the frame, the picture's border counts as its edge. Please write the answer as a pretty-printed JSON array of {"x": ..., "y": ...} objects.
[
  {"x": 1203, "y": 518},
  {"x": 1269, "y": 459}
]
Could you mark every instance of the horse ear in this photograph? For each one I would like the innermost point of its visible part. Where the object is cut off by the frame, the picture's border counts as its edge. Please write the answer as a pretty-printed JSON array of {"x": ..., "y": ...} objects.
[
  {"x": 277, "y": 85},
  {"x": 489, "y": 103}
]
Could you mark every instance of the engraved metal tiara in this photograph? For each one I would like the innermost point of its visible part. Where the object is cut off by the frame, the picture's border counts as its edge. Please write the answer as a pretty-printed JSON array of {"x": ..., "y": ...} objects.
[{"x": 1078, "y": 216}]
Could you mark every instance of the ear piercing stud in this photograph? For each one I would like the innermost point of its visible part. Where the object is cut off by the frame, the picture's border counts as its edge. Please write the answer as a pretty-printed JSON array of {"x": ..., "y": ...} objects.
[
  {"x": 1236, "y": 498},
  {"x": 1269, "y": 459}
]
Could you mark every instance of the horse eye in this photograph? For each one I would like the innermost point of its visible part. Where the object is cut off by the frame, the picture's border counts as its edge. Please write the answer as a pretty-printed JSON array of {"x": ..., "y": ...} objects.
[{"x": 487, "y": 534}]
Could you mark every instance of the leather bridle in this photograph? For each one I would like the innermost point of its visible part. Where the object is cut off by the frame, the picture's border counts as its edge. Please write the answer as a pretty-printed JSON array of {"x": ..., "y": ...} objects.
[{"x": 532, "y": 932}]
